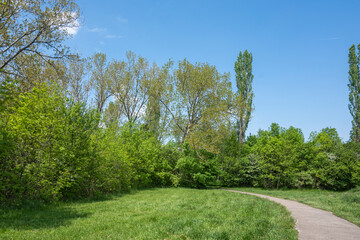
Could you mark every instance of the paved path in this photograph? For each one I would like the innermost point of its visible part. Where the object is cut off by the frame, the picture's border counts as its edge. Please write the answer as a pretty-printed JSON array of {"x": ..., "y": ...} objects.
[{"x": 313, "y": 223}]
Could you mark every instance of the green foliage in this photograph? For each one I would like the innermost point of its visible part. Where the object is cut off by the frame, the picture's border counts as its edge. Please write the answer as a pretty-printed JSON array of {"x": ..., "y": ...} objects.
[
  {"x": 342, "y": 171},
  {"x": 279, "y": 158},
  {"x": 8, "y": 93},
  {"x": 101, "y": 80},
  {"x": 51, "y": 150},
  {"x": 7, "y": 100},
  {"x": 134, "y": 158},
  {"x": 237, "y": 164},
  {"x": 146, "y": 159},
  {"x": 242, "y": 171},
  {"x": 79, "y": 152},
  {"x": 244, "y": 96},
  {"x": 164, "y": 126},
  {"x": 329, "y": 162},
  {"x": 36, "y": 127},
  {"x": 354, "y": 91},
  {"x": 34, "y": 28},
  {"x": 197, "y": 101},
  {"x": 194, "y": 171},
  {"x": 279, "y": 150}
]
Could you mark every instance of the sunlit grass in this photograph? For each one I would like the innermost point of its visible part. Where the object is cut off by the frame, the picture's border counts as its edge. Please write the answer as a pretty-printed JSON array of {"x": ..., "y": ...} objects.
[
  {"x": 343, "y": 204},
  {"x": 153, "y": 214}
]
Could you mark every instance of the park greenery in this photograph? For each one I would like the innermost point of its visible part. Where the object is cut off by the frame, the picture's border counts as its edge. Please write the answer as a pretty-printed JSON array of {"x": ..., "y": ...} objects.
[
  {"x": 153, "y": 214},
  {"x": 73, "y": 127}
]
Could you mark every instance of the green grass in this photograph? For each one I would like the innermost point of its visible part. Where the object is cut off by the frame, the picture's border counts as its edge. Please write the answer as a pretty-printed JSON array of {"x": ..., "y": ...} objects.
[
  {"x": 342, "y": 204},
  {"x": 153, "y": 214}
]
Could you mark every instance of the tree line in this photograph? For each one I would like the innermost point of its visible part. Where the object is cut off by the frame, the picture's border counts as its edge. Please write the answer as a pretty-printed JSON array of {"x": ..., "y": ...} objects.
[{"x": 73, "y": 127}]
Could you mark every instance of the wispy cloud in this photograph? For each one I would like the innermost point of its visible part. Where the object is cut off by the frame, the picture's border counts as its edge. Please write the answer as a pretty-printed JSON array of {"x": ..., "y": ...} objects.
[
  {"x": 122, "y": 20},
  {"x": 113, "y": 36},
  {"x": 97, "y": 30}
]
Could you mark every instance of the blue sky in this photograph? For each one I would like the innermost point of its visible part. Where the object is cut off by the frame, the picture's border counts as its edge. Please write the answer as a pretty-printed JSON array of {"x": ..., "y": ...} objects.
[{"x": 299, "y": 48}]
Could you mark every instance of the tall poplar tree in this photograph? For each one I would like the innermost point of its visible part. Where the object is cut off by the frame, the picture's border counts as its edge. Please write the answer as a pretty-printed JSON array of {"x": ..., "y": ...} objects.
[
  {"x": 354, "y": 92},
  {"x": 244, "y": 95}
]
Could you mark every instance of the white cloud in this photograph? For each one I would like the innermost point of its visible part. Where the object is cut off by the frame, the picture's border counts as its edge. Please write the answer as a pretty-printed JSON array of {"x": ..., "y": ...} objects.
[
  {"x": 97, "y": 30},
  {"x": 73, "y": 27},
  {"x": 72, "y": 30},
  {"x": 122, "y": 20},
  {"x": 113, "y": 36}
]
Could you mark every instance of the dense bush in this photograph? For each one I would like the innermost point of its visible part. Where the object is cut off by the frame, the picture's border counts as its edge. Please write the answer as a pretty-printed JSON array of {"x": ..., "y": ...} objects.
[
  {"x": 33, "y": 166},
  {"x": 279, "y": 158},
  {"x": 53, "y": 148},
  {"x": 136, "y": 158}
]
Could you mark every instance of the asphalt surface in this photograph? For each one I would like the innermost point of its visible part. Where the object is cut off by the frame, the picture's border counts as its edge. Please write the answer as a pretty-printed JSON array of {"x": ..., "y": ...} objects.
[{"x": 313, "y": 223}]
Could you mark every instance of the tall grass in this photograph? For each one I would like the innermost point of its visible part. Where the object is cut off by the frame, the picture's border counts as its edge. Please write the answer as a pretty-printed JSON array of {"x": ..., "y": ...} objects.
[{"x": 153, "y": 214}]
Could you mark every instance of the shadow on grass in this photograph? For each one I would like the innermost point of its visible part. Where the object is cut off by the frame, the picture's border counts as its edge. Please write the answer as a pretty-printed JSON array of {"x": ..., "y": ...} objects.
[
  {"x": 45, "y": 217},
  {"x": 37, "y": 215}
]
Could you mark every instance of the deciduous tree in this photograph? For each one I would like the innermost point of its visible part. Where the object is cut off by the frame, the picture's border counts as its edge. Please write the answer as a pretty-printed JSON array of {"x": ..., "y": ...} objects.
[
  {"x": 199, "y": 97},
  {"x": 34, "y": 27},
  {"x": 101, "y": 80},
  {"x": 133, "y": 79},
  {"x": 156, "y": 118},
  {"x": 76, "y": 77}
]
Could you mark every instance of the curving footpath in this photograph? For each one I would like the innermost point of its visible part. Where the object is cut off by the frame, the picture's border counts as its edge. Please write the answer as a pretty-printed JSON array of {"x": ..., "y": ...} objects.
[{"x": 313, "y": 223}]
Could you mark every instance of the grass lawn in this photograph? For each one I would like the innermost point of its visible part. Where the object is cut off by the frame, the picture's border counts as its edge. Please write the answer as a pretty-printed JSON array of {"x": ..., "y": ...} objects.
[
  {"x": 153, "y": 214},
  {"x": 342, "y": 204}
]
